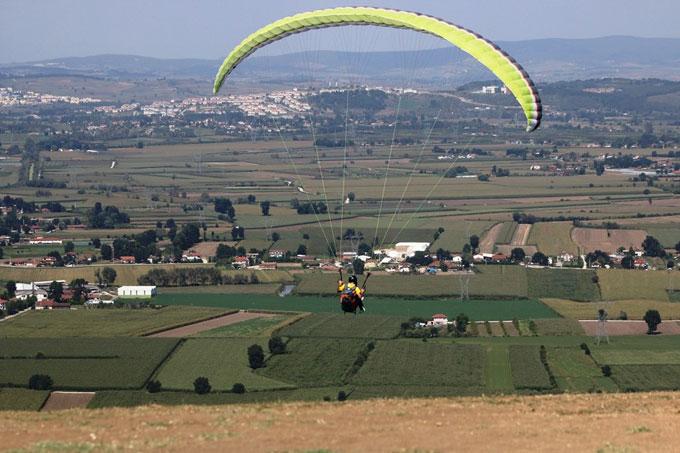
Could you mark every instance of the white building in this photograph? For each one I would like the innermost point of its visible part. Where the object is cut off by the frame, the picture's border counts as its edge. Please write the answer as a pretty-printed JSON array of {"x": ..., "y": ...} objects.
[
  {"x": 137, "y": 291},
  {"x": 404, "y": 250}
]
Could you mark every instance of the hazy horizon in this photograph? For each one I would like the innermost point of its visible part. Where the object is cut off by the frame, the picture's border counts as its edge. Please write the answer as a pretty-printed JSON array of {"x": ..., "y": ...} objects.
[{"x": 35, "y": 30}]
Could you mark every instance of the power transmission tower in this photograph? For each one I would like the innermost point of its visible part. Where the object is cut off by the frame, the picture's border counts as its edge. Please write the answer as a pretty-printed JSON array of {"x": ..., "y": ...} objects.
[
  {"x": 465, "y": 286},
  {"x": 601, "y": 332}
]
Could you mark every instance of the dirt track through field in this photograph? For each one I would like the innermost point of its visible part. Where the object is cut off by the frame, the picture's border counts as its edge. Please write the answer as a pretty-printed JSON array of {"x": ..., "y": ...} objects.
[
  {"x": 202, "y": 326},
  {"x": 567, "y": 422},
  {"x": 617, "y": 328},
  {"x": 67, "y": 400}
]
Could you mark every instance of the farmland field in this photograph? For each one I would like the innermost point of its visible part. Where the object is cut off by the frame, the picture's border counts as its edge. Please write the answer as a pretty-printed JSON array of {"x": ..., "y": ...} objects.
[
  {"x": 506, "y": 233},
  {"x": 634, "y": 309},
  {"x": 528, "y": 373},
  {"x": 553, "y": 238},
  {"x": 411, "y": 363},
  {"x": 251, "y": 328},
  {"x": 497, "y": 370},
  {"x": 590, "y": 239},
  {"x": 314, "y": 362},
  {"x": 637, "y": 356},
  {"x": 621, "y": 284},
  {"x": 17, "y": 399},
  {"x": 456, "y": 234},
  {"x": 577, "y": 372},
  {"x": 575, "y": 284},
  {"x": 224, "y": 361},
  {"x": 479, "y": 310},
  {"x": 83, "y": 363},
  {"x": 344, "y": 325},
  {"x": 667, "y": 234},
  {"x": 639, "y": 378},
  {"x": 102, "y": 322},
  {"x": 558, "y": 327}
]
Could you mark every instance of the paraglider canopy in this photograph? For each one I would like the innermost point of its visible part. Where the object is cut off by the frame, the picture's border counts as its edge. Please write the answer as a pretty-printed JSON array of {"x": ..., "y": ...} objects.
[{"x": 484, "y": 51}]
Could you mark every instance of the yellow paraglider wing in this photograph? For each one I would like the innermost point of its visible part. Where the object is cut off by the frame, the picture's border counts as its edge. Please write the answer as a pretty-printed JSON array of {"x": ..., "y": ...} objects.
[{"x": 484, "y": 51}]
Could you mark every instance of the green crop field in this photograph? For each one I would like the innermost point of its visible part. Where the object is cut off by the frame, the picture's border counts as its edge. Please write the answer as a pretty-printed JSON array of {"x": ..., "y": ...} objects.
[
  {"x": 553, "y": 238},
  {"x": 102, "y": 322},
  {"x": 224, "y": 361},
  {"x": 457, "y": 233},
  {"x": 528, "y": 372},
  {"x": 635, "y": 309},
  {"x": 498, "y": 374},
  {"x": 575, "y": 284},
  {"x": 344, "y": 325},
  {"x": 479, "y": 310},
  {"x": 83, "y": 363},
  {"x": 667, "y": 233},
  {"x": 637, "y": 356},
  {"x": 640, "y": 378},
  {"x": 314, "y": 362},
  {"x": 622, "y": 284},
  {"x": 506, "y": 233},
  {"x": 16, "y": 399},
  {"x": 414, "y": 363},
  {"x": 577, "y": 372}
]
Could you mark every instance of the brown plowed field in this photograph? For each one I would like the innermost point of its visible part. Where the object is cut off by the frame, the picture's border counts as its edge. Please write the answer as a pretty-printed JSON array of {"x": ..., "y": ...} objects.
[
  {"x": 58, "y": 401},
  {"x": 191, "y": 329},
  {"x": 609, "y": 241},
  {"x": 563, "y": 423},
  {"x": 616, "y": 328}
]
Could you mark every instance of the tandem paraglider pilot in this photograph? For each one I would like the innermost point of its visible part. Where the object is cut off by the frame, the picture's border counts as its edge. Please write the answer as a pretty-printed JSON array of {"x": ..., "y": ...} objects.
[{"x": 351, "y": 296}]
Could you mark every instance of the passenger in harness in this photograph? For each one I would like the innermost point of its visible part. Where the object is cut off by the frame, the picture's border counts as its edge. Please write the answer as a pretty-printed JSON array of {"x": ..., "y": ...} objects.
[{"x": 351, "y": 296}]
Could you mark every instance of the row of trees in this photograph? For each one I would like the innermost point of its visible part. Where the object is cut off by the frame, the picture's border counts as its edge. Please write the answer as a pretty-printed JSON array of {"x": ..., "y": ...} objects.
[{"x": 194, "y": 276}]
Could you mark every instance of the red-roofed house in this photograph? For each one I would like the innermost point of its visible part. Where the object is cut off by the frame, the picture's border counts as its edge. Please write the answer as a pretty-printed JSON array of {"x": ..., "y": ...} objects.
[
  {"x": 128, "y": 259},
  {"x": 439, "y": 319},
  {"x": 240, "y": 262}
]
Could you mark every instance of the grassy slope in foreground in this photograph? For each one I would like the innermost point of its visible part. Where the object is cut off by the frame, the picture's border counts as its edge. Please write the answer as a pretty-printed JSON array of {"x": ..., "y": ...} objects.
[
  {"x": 476, "y": 309},
  {"x": 102, "y": 322},
  {"x": 596, "y": 422}
]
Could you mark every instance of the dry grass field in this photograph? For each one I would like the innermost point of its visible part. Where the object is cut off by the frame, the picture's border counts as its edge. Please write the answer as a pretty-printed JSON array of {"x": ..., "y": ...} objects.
[
  {"x": 590, "y": 239},
  {"x": 585, "y": 422}
]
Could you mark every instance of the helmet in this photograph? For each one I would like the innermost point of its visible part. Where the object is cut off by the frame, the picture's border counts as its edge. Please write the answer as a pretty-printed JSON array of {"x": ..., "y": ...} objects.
[{"x": 353, "y": 279}]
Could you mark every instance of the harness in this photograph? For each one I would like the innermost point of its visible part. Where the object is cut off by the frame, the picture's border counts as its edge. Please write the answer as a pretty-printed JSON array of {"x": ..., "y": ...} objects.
[{"x": 349, "y": 299}]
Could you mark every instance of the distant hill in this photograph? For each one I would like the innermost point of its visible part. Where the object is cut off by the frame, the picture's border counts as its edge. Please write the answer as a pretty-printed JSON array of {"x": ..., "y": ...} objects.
[{"x": 544, "y": 59}]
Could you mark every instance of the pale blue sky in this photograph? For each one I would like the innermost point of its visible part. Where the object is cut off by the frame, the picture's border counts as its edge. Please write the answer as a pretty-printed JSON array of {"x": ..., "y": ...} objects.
[{"x": 41, "y": 29}]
